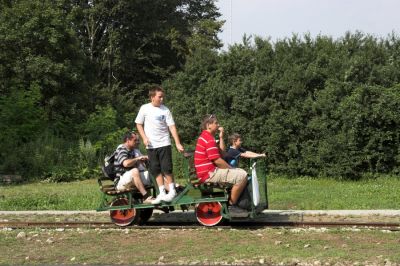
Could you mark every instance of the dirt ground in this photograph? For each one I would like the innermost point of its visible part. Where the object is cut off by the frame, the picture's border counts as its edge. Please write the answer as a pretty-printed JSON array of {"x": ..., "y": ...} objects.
[{"x": 203, "y": 246}]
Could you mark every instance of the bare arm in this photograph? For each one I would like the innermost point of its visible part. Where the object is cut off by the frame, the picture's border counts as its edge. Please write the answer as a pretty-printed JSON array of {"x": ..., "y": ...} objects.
[
  {"x": 133, "y": 162},
  {"x": 174, "y": 133},
  {"x": 250, "y": 154},
  {"x": 220, "y": 163},
  {"x": 222, "y": 145},
  {"x": 142, "y": 134}
]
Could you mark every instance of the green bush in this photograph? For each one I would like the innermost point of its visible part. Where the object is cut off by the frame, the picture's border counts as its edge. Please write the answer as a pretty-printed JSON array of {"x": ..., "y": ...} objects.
[
  {"x": 61, "y": 174},
  {"x": 100, "y": 123},
  {"x": 319, "y": 107}
]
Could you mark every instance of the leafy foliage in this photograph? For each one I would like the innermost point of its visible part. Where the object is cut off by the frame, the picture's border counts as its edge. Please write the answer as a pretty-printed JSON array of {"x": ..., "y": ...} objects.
[
  {"x": 76, "y": 71},
  {"x": 319, "y": 107}
]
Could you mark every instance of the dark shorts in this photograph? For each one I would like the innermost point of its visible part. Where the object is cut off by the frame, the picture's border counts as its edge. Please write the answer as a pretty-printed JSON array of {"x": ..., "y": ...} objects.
[{"x": 160, "y": 161}]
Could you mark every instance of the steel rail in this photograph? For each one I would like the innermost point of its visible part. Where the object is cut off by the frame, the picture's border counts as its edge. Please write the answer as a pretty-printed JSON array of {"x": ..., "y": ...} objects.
[{"x": 191, "y": 225}]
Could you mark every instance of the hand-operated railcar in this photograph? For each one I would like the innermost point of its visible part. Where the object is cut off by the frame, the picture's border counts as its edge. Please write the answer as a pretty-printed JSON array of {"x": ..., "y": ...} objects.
[{"x": 210, "y": 201}]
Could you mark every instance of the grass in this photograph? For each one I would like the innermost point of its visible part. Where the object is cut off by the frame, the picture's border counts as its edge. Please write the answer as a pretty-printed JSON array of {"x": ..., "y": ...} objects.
[
  {"x": 78, "y": 195},
  {"x": 330, "y": 194},
  {"x": 283, "y": 194},
  {"x": 205, "y": 245},
  {"x": 193, "y": 246}
]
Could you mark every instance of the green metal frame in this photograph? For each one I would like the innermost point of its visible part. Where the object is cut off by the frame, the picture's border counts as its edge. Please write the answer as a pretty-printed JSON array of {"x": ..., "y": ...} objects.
[
  {"x": 106, "y": 201},
  {"x": 185, "y": 197},
  {"x": 181, "y": 199}
]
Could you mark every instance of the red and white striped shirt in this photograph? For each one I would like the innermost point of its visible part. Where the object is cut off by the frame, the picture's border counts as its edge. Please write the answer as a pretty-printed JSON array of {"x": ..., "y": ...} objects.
[{"x": 206, "y": 151}]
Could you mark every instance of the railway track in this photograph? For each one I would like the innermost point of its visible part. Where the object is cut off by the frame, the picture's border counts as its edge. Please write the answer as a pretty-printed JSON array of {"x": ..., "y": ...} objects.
[{"x": 190, "y": 225}]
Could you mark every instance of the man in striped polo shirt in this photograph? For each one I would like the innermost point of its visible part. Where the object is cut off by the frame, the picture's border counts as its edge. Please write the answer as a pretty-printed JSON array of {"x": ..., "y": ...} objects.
[
  {"x": 127, "y": 166},
  {"x": 211, "y": 168}
]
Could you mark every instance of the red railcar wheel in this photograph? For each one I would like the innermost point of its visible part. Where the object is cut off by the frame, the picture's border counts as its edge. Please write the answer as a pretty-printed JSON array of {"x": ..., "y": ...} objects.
[
  {"x": 209, "y": 213},
  {"x": 122, "y": 217}
]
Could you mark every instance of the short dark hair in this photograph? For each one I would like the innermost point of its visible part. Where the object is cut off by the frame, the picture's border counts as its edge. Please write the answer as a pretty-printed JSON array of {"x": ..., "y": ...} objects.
[
  {"x": 153, "y": 91},
  {"x": 208, "y": 119},
  {"x": 234, "y": 137},
  {"x": 128, "y": 135}
]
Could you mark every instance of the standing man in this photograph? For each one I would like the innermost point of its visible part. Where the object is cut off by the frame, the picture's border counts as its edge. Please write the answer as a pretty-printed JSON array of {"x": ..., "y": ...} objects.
[
  {"x": 211, "y": 168},
  {"x": 154, "y": 122}
]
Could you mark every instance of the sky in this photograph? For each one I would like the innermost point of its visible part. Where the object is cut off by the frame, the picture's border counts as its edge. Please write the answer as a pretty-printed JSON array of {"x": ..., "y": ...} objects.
[{"x": 278, "y": 19}]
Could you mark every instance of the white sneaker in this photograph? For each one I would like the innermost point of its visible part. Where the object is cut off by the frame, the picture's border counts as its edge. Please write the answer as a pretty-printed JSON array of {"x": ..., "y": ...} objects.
[
  {"x": 169, "y": 197},
  {"x": 159, "y": 198}
]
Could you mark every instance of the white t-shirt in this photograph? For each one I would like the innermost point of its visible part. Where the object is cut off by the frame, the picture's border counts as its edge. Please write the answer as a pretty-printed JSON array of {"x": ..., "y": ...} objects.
[{"x": 156, "y": 121}]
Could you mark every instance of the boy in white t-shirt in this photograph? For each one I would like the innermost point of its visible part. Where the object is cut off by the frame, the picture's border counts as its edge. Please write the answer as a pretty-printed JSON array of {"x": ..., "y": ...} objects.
[{"x": 154, "y": 122}]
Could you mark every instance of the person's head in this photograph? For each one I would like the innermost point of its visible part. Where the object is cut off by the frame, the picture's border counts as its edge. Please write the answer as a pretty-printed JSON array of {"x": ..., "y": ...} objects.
[
  {"x": 131, "y": 140},
  {"x": 210, "y": 123},
  {"x": 235, "y": 140},
  {"x": 156, "y": 95}
]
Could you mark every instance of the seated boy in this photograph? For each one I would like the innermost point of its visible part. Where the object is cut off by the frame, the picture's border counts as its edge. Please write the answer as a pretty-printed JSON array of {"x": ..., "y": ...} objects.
[{"x": 236, "y": 151}]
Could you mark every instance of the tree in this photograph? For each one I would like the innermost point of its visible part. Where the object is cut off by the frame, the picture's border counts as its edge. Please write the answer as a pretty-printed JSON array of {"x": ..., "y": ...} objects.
[
  {"x": 39, "y": 48},
  {"x": 141, "y": 42},
  {"x": 319, "y": 107}
]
